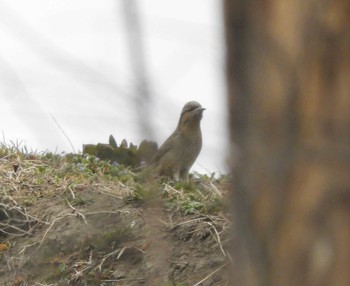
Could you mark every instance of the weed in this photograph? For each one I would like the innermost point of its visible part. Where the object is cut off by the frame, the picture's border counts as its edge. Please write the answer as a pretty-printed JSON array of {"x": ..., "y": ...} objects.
[{"x": 112, "y": 239}]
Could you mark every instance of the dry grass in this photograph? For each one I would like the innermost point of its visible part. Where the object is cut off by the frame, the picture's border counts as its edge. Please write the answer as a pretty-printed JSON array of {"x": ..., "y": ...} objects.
[{"x": 30, "y": 178}]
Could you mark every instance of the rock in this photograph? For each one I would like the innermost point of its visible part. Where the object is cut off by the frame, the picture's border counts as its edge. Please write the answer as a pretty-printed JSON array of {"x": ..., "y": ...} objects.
[
  {"x": 112, "y": 141},
  {"x": 146, "y": 150}
]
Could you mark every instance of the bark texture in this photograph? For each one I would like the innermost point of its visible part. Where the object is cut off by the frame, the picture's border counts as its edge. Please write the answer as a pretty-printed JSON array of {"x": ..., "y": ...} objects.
[{"x": 288, "y": 77}]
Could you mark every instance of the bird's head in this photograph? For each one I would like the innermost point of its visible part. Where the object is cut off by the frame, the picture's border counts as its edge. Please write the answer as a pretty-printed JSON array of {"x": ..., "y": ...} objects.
[{"x": 191, "y": 113}]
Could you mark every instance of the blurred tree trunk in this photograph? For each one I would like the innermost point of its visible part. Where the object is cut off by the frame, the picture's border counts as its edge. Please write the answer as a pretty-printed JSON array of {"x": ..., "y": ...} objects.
[{"x": 288, "y": 76}]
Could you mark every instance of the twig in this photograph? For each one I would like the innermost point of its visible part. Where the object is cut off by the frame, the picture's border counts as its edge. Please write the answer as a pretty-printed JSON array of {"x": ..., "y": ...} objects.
[
  {"x": 190, "y": 221},
  {"x": 123, "y": 279},
  {"x": 171, "y": 221},
  {"x": 218, "y": 238},
  {"x": 105, "y": 257},
  {"x": 165, "y": 223},
  {"x": 72, "y": 193},
  {"x": 77, "y": 212},
  {"x": 26, "y": 246},
  {"x": 108, "y": 193},
  {"x": 64, "y": 133},
  {"x": 48, "y": 229},
  {"x": 167, "y": 187},
  {"x": 9, "y": 208},
  {"x": 121, "y": 252},
  {"x": 79, "y": 273},
  {"x": 215, "y": 189},
  {"x": 15, "y": 228},
  {"x": 205, "y": 278},
  {"x": 200, "y": 193},
  {"x": 107, "y": 212}
]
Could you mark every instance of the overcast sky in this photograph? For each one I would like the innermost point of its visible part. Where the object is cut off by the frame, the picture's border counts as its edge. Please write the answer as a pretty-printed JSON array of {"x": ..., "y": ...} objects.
[{"x": 68, "y": 63}]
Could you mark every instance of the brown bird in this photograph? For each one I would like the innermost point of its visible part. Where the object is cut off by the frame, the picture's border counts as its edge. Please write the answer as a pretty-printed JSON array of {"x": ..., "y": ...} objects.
[{"x": 178, "y": 153}]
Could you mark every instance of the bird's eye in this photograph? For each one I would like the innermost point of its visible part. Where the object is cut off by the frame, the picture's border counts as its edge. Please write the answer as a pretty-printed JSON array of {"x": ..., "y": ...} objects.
[{"x": 191, "y": 108}]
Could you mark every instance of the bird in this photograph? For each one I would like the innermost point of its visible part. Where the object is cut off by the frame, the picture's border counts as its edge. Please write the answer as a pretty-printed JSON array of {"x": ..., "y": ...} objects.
[{"x": 177, "y": 154}]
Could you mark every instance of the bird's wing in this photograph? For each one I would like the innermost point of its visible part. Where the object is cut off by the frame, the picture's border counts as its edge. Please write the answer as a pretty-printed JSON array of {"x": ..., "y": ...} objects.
[{"x": 167, "y": 145}]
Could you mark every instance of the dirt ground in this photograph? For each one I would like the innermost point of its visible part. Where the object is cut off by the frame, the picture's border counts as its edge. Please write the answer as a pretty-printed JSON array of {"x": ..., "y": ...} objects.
[{"x": 96, "y": 235}]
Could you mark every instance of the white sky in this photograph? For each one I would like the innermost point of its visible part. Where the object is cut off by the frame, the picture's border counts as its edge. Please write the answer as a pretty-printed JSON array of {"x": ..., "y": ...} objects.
[{"x": 71, "y": 59}]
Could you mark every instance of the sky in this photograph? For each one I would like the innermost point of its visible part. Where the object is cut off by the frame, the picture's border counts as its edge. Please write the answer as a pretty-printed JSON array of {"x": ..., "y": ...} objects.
[{"x": 67, "y": 76}]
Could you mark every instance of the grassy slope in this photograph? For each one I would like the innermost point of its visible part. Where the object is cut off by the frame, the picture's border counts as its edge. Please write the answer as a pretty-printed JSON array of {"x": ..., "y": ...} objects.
[{"x": 73, "y": 219}]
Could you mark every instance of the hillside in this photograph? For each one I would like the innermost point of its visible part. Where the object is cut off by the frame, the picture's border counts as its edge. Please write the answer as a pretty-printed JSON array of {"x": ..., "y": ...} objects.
[{"x": 76, "y": 220}]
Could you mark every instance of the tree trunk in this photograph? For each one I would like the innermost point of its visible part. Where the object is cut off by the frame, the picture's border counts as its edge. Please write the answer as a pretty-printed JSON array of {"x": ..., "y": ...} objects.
[{"x": 288, "y": 76}]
